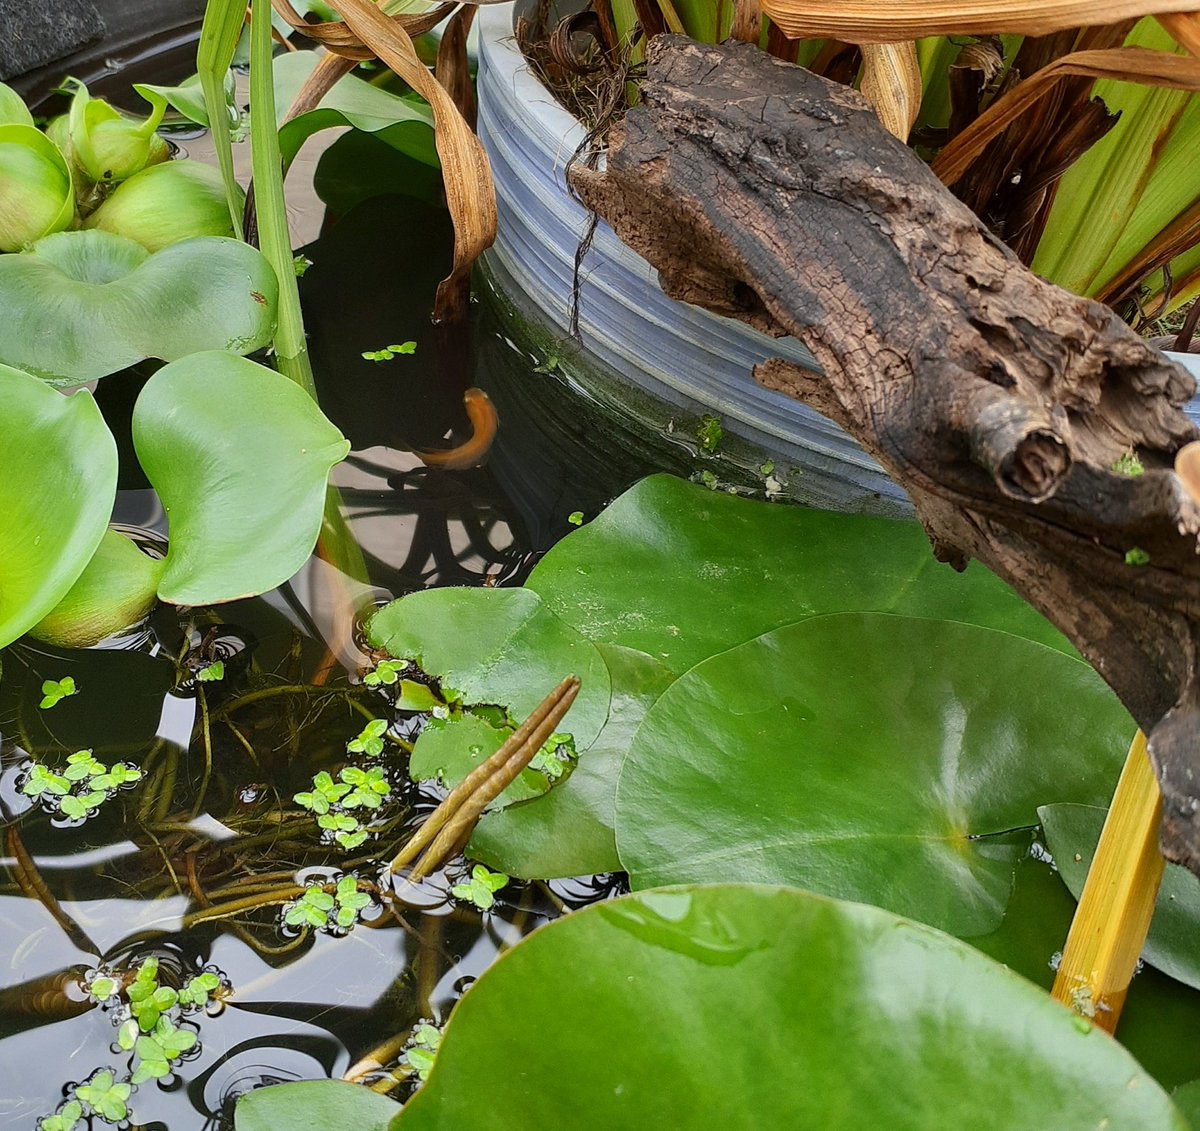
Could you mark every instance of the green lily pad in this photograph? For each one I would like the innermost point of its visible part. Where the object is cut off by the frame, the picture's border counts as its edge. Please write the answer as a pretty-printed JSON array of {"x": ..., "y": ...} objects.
[
  {"x": 314, "y": 1105},
  {"x": 681, "y": 573},
  {"x": 747, "y": 1007},
  {"x": 58, "y": 480},
  {"x": 1173, "y": 946},
  {"x": 118, "y": 587},
  {"x": 569, "y": 831},
  {"x": 80, "y": 305},
  {"x": 449, "y": 749},
  {"x": 869, "y": 757},
  {"x": 239, "y": 456},
  {"x": 497, "y": 646}
]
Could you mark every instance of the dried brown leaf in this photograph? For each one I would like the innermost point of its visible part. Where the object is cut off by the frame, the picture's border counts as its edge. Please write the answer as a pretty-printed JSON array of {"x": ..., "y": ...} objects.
[
  {"x": 1126, "y": 64},
  {"x": 1185, "y": 28},
  {"x": 892, "y": 81},
  {"x": 887, "y": 21}
]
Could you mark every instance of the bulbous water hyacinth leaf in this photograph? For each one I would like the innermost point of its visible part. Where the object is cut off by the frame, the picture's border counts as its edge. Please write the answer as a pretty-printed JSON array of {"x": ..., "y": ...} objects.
[
  {"x": 1173, "y": 946},
  {"x": 496, "y": 646},
  {"x": 36, "y": 197},
  {"x": 13, "y": 111},
  {"x": 680, "y": 572},
  {"x": 58, "y": 480},
  {"x": 110, "y": 146},
  {"x": 569, "y": 831},
  {"x": 632, "y": 1013},
  {"x": 80, "y": 305},
  {"x": 117, "y": 588},
  {"x": 860, "y": 755},
  {"x": 165, "y": 204},
  {"x": 239, "y": 456},
  {"x": 313, "y": 1104}
]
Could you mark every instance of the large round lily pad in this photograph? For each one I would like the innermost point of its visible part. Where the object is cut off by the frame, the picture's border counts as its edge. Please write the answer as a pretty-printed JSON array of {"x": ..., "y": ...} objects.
[
  {"x": 868, "y": 757},
  {"x": 58, "y": 479},
  {"x": 239, "y": 456},
  {"x": 743, "y": 1008},
  {"x": 681, "y": 573},
  {"x": 81, "y": 305}
]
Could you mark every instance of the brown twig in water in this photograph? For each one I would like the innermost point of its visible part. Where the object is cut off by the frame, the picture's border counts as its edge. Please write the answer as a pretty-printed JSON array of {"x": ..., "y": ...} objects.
[
  {"x": 25, "y": 872},
  {"x": 449, "y": 826}
]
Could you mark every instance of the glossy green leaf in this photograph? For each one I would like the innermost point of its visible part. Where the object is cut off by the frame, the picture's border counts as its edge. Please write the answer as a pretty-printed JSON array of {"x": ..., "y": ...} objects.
[
  {"x": 569, "y": 831},
  {"x": 1173, "y": 946},
  {"x": 861, "y": 755},
  {"x": 404, "y": 122},
  {"x": 13, "y": 111},
  {"x": 313, "y": 1105},
  {"x": 118, "y": 588},
  {"x": 58, "y": 480},
  {"x": 497, "y": 646},
  {"x": 680, "y": 572},
  {"x": 81, "y": 305},
  {"x": 239, "y": 456},
  {"x": 634, "y": 1014}
]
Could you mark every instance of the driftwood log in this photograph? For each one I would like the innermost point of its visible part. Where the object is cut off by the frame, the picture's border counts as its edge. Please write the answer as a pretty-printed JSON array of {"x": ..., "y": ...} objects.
[{"x": 999, "y": 402}]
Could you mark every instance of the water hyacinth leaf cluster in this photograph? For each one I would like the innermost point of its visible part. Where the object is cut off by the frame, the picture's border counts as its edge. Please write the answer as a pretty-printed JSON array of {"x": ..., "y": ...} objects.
[
  {"x": 197, "y": 431},
  {"x": 86, "y": 304}
]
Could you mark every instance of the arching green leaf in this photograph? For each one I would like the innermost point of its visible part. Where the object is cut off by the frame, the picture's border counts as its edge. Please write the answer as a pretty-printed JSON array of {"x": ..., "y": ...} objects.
[
  {"x": 81, "y": 305},
  {"x": 240, "y": 456},
  {"x": 861, "y": 755},
  {"x": 746, "y": 1007},
  {"x": 58, "y": 479}
]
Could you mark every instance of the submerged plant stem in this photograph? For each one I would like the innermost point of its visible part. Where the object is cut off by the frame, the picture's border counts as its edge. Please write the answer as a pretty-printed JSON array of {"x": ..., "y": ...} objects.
[{"x": 30, "y": 881}]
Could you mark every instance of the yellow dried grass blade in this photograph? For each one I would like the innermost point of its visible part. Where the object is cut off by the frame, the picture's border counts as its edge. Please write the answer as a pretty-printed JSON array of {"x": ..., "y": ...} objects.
[
  {"x": 1127, "y": 64},
  {"x": 1112, "y": 920},
  {"x": 892, "y": 81},
  {"x": 887, "y": 21},
  {"x": 467, "y": 176}
]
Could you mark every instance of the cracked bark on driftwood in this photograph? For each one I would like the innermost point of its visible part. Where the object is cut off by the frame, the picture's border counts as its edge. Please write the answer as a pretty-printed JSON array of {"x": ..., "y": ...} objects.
[{"x": 999, "y": 402}]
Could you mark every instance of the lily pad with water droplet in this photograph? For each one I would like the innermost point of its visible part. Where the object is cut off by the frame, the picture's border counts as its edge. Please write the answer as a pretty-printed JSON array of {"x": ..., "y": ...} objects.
[{"x": 870, "y": 757}]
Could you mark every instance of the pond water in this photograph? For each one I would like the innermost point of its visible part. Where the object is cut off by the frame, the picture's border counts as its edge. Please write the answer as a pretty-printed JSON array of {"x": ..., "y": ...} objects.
[{"x": 193, "y": 865}]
